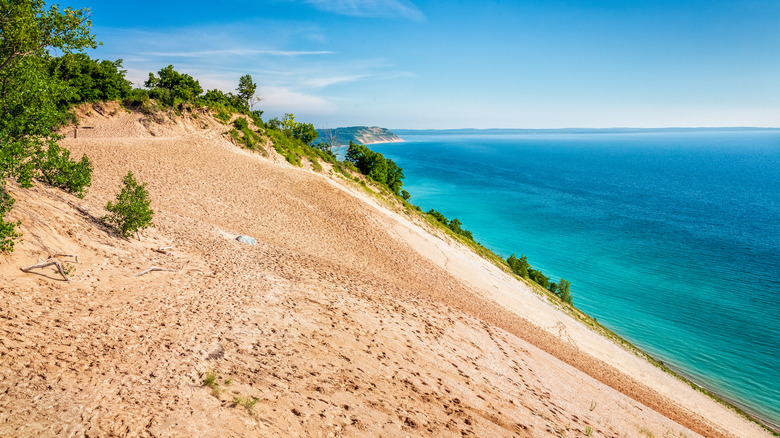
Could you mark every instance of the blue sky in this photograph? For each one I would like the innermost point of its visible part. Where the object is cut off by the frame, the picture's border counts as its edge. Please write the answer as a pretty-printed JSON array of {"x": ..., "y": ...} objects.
[{"x": 466, "y": 64}]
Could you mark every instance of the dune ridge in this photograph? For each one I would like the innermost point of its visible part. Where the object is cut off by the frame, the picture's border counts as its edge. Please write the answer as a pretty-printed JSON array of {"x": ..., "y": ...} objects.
[{"x": 348, "y": 318}]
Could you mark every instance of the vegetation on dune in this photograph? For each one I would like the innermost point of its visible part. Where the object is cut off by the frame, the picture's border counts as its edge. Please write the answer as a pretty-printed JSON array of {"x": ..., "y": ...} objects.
[
  {"x": 131, "y": 212},
  {"x": 31, "y": 99},
  {"x": 375, "y": 166}
]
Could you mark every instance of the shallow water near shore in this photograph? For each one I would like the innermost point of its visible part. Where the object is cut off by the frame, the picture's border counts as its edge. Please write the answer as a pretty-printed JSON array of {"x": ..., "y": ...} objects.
[{"x": 670, "y": 239}]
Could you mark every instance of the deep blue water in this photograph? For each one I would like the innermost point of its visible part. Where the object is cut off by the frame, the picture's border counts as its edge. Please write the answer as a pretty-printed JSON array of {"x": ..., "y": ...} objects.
[{"x": 672, "y": 240}]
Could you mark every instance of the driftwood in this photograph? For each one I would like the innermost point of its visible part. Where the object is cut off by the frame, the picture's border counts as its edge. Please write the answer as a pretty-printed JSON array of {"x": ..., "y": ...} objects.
[
  {"x": 80, "y": 208},
  {"x": 164, "y": 250},
  {"x": 52, "y": 261},
  {"x": 158, "y": 268}
]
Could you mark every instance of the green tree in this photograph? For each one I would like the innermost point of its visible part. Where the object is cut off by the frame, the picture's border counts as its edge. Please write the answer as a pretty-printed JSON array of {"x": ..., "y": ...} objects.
[
  {"x": 288, "y": 124},
  {"x": 28, "y": 94},
  {"x": 30, "y": 30},
  {"x": 171, "y": 87},
  {"x": 131, "y": 212},
  {"x": 376, "y": 166},
  {"x": 246, "y": 89},
  {"x": 519, "y": 266},
  {"x": 229, "y": 100},
  {"x": 304, "y": 132},
  {"x": 563, "y": 290},
  {"x": 90, "y": 80},
  {"x": 395, "y": 177}
]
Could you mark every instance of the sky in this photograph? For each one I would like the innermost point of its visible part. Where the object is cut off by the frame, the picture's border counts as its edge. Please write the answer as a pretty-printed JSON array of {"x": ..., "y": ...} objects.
[{"x": 418, "y": 64}]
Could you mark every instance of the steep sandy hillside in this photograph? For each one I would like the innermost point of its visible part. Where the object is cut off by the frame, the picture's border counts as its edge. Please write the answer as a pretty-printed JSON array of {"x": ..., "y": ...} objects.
[{"x": 346, "y": 319}]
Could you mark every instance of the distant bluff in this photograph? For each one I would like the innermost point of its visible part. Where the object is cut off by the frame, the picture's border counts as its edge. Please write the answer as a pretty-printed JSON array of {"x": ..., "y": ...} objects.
[{"x": 358, "y": 134}]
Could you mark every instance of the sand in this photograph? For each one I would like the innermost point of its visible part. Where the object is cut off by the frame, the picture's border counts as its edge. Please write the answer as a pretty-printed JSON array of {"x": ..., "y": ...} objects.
[{"x": 348, "y": 318}]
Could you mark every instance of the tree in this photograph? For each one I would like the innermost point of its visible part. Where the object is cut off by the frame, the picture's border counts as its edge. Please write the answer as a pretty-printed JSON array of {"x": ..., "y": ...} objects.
[
  {"x": 59, "y": 170},
  {"x": 90, "y": 80},
  {"x": 331, "y": 140},
  {"x": 171, "y": 86},
  {"x": 288, "y": 124},
  {"x": 305, "y": 132},
  {"x": 563, "y": 290},
  {"x": 518, "y": 266},
  {"x": 28, "y": 94},
  {"x": 229, "y": 100},
  {"x": 29, "y": 30},
  {"x": 246, "y": 89},
  {"x": 131, "y": 212},
  {"x": 395, "y": 177}
]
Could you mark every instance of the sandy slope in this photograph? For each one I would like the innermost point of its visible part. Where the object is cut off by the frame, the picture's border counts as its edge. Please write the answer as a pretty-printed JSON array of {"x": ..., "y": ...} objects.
[{"x": 345, "y": 320}]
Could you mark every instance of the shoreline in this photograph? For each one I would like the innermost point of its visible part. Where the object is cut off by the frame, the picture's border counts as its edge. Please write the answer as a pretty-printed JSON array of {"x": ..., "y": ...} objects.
[
  {"x": 740, "y": 408},
  {"x": 346, "y": 309},
  {"x": 753, "y": 413}
]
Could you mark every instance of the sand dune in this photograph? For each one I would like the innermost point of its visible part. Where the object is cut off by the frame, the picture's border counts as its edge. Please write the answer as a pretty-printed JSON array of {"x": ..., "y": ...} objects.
[{"x": 347, "y": 319}]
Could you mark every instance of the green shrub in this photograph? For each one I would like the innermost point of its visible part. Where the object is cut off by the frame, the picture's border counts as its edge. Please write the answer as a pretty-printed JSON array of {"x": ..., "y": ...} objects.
[
  {"x": 240, "y": 123},
  {"x": 223, "y": 115},
  {"x": 136, "y": 97},
  {"x": 8, "y": 234},
  {"x": 57, "y": 169},
  {"x": 131, "y": 212}
]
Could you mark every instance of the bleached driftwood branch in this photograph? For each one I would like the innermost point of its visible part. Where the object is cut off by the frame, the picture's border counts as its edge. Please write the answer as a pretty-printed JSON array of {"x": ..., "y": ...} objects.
[
  {"x": 164, "y": 250},
  {"x": 78, "y": 207},
  {"x": 51, "y": 261},
  {"x": 158, "y": 268}
]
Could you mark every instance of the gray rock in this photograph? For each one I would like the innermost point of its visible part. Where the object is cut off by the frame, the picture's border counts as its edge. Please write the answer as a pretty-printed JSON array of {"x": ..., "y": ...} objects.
[{"x": 246, "y": 239}]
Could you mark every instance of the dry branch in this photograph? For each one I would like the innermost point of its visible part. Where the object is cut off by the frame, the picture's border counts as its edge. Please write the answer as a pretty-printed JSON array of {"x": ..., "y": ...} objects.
[
  {"x": 48, "y": 262},
  {"x": 163, "y": 250},
  {"x": 80, "y": 208},
  {"x": 59, "y": 254},
  {"x": 158, "y": 268}
]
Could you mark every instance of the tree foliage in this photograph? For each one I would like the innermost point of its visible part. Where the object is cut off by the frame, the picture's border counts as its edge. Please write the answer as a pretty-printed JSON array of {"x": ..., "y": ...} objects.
[
  {"x": 563, "y": 290},
  {"x": 131, "y": 212},
  {"x": 229, "y": 101},
  {"x": 246, "y": 89},
  {"x": 8, "y": 233},
  {"x": 89, "y": 80},
  {"x": 521, "y": 267},
  {"x": 59, "y": 170},
  {"x": 28, "y": 92},
  {"x": 375, "y": 166},
  {"x": 455, "y": 225},
  {"x": 30, "y": 30},
  {"x": 172, "y": 87}
]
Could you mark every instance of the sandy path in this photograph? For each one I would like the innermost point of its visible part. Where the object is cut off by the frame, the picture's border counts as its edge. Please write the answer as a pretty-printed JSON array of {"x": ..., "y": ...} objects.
[{"x": 342, "y": 321}]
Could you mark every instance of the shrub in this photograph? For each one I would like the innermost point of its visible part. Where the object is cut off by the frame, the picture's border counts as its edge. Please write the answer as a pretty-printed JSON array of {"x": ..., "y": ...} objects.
[
  {"x": 8, "y": 234},
  {"x": 58, "y": 170},
  {"x": 136, "y": 97},
  {"x": 131, "y": 212}
]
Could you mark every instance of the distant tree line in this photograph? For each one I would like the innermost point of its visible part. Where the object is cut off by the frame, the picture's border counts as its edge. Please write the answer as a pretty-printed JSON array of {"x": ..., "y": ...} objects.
[
  {"x": 522, "y": 268},
  {"x": 454, "y": 225}
]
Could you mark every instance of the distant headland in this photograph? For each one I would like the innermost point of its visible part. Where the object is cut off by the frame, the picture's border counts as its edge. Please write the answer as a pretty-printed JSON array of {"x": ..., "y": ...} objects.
[
  {"x": 573, "y": 130},
  {"x": 359, "y": 134}
]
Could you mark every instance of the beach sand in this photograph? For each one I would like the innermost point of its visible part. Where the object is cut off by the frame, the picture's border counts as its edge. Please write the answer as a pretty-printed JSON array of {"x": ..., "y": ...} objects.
[{"x": 348, "y": 318}]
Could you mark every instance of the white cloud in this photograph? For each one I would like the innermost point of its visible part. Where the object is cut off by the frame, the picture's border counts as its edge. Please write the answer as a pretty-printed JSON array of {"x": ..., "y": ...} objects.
[
  {"x": 370, "y": 8},
  {"x": 332, "y": 80},
  {"x": 238, "y": 52},
  {"x": 284, "y": 100}
]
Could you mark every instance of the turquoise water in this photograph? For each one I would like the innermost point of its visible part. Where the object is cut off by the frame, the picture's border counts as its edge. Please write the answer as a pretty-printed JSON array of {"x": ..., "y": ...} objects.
[{"x": 670, "y": 239}]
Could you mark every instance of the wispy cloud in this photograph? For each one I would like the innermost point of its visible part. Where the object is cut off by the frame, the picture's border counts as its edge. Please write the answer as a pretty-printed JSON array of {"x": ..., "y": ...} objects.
[
  {"x": 370, "y": 8},
  {"x": 285, "y": 100},
  {"x": 238, "y": 52},
  {"x": 332, "y": 80}
]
